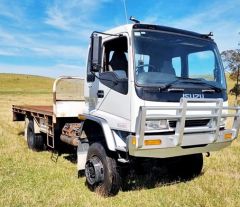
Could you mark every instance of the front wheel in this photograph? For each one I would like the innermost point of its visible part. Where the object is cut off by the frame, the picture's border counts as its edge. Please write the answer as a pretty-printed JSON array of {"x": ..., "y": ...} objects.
[{"x": 101, "y": 171}]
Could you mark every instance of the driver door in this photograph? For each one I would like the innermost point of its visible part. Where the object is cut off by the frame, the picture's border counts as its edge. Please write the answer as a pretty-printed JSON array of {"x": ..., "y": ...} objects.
[{"x": 112, "y": 88}]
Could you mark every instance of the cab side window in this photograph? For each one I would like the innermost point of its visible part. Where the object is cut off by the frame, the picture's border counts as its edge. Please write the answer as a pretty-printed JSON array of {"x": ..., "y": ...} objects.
[
  {"x": 177, "y": 65},
  {"x": 114, "y": 73}
]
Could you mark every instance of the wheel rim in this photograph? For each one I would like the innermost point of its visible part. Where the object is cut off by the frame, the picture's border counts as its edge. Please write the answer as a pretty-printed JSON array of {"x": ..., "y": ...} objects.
[{"x": 94, "y": 170}]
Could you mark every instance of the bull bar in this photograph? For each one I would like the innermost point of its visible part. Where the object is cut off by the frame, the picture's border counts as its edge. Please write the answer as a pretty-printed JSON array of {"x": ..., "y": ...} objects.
[{"x": 215, "y": 115}]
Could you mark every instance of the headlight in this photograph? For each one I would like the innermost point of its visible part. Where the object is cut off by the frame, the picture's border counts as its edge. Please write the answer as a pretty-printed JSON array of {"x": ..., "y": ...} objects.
[
  {"x": 156, "y": 125},
  {"x": 223, "y": 122}
]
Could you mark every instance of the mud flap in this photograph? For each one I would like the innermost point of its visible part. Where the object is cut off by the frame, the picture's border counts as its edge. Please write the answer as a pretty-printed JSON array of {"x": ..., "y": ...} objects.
[{"x": 82, "y": 151}]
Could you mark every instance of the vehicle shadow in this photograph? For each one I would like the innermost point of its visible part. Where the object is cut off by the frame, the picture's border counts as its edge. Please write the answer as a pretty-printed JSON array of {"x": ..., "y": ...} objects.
[
  {"x": 21, "y": 133},
  {"x": 151, "y": 177},
  {"x": 67, "y": 152},
  {"x": 148, "y": 174},
  {"x": 71, "y": 158}
]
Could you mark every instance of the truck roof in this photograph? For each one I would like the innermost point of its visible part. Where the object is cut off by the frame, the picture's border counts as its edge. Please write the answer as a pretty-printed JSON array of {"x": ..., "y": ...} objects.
[{"x": 129, "y": 27}]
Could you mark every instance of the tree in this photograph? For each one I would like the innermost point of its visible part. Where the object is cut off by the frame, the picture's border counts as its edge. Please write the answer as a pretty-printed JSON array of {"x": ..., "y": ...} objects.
[{"x": 231, "y": 59}]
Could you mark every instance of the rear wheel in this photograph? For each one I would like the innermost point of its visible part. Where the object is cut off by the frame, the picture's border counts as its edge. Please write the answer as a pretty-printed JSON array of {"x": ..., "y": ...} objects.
[
  {"x": 35, "y": 141},
  {"x": 101, "y": 171}
]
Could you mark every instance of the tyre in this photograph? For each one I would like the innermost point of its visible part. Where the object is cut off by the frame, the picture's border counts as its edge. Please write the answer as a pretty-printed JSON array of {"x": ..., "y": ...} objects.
[
  {"x": 35, "y": 141},
  {"x": 101, "y": 171},
  {"x": 187, "y": 167}
]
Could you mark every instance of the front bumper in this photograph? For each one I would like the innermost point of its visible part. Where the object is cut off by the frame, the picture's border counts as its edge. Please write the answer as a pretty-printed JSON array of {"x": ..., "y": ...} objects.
[
  {"x": 185, "y": 140},
  {"x": 192, "y": 144}
]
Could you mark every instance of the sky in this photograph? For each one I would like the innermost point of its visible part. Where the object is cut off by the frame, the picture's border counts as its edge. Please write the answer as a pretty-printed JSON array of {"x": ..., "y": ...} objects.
[{"x": 51, "y": 37}]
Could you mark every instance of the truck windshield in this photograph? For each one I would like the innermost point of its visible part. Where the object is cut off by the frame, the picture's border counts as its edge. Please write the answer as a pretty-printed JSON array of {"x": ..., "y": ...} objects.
[{"x": 166, "y": 59}]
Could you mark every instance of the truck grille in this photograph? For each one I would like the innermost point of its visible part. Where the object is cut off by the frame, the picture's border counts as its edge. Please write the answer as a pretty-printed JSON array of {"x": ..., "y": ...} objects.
[{"x": 191, "y": 123}]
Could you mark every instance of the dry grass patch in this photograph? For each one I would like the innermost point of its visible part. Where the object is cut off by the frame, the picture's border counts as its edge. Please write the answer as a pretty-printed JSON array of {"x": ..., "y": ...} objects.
[{"x": 31, "y": 179}]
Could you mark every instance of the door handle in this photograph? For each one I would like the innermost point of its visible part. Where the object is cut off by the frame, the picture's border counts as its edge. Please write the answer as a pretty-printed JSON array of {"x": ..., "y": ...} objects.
[{"x": 100, "y": 94}]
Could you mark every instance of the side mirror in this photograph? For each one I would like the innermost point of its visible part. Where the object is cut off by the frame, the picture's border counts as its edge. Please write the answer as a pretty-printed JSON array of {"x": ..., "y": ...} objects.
[{"x": 96, "y": 53}]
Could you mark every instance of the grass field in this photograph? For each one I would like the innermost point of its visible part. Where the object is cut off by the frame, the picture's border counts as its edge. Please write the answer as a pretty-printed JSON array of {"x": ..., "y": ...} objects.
[{"x": 29, "y": 178}]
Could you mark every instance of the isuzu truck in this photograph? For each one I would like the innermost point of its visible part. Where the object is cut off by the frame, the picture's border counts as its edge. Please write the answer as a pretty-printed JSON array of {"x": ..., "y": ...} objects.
[{"x": 150, "y": 92}]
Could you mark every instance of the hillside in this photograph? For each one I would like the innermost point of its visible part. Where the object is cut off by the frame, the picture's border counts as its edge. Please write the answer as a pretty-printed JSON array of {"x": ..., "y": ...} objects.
[{"x": 15, "y": 83}]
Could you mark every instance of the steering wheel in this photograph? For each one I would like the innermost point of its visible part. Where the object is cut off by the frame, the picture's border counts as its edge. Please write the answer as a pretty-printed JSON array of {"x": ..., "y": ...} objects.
[{"x": 140, "y": 67}]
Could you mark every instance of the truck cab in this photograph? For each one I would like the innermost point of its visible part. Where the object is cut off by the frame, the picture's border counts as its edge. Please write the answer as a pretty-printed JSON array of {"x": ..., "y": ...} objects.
[
  {"x": 143, "y": 68},
  {"x": 156, "y": 92}
]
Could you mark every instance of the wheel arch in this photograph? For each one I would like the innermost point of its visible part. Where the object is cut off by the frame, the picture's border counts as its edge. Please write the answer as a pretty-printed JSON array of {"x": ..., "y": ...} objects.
[{"x": 98, "y": 130}]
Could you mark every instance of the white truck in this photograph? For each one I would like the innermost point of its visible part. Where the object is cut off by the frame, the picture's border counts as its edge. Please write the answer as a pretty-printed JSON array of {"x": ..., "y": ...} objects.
[{"x": 150, "y": 92}]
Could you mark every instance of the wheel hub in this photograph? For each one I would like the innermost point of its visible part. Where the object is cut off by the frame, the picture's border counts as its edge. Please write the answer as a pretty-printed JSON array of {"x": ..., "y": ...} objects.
[{"x": 94, "y": 170}]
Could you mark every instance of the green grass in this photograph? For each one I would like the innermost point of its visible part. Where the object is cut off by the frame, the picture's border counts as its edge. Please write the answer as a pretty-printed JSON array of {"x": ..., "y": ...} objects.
[
  {"x": 29, "y": 178},
  {"x": 27, "y": 84}
]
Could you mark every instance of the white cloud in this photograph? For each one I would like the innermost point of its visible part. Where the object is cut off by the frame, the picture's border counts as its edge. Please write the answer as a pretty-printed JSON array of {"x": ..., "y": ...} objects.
[
  {"x": 12, "y": 10},
  {"x": 73, "y": 15},
  {"x": 6, "y": 53},
  {"x": 62, "y": 51},
  {"x": 4, "y": 11},
  {"x": 18, "y": 44},
  {"x": 69, "y": 46},
  {"x": 57, "y": 19},
  {"x": 6, "y": 36}
]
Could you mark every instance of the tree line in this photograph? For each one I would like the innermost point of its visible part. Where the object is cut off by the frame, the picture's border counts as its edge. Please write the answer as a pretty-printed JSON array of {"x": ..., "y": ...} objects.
[{"x": 231, "y": 60}]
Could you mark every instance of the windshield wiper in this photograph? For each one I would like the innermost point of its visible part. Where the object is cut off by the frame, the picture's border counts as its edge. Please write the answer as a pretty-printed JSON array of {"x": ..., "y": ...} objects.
[
  {"x": 180, "y": 79},
  {"x": 191, "y": 80},
  {"x": 168, "y": 85},
  {"x": 203, "y": 82}
]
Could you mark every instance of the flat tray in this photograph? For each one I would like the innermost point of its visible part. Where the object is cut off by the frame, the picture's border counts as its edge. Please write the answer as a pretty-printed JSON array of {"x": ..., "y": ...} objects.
[{"x": 47, "y": 110}]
